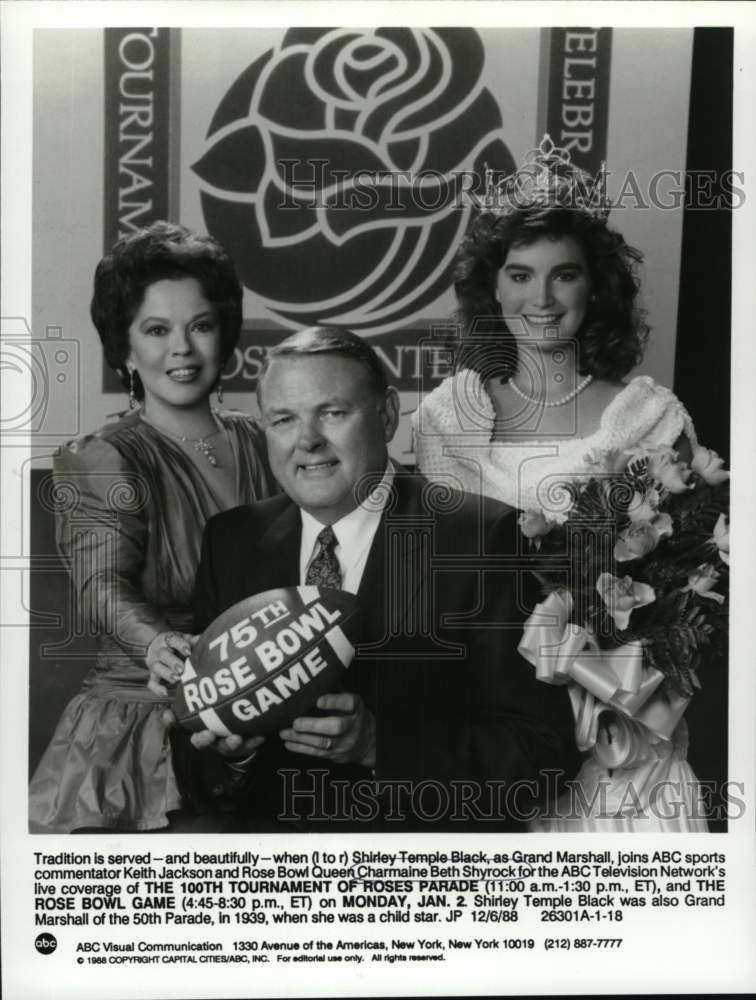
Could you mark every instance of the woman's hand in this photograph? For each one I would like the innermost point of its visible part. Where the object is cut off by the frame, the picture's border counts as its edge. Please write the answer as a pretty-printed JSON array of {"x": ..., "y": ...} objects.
[
  {"x": 165, "y": 659},
  {"x": 237, "y": 751}
]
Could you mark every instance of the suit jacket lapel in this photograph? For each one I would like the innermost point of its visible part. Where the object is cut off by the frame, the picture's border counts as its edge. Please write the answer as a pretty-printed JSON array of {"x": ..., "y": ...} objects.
[
  {"x": 277, "y": 564},
  {"x": 392, "y": 578}
]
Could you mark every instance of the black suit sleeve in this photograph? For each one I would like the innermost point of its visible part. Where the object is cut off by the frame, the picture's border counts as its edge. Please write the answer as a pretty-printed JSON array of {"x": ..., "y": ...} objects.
[
  {"x": 484, "y": 717},
  {"x": 205, "y": 607},
  {"x": 206, "y": 781}
]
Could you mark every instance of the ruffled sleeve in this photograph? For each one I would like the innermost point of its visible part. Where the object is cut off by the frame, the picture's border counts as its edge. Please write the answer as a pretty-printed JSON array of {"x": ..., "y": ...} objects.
[
  {"x": 256, "y": 479},
  {"x": 646, "y": 414},
  {"x": 451, "y": 432},
  {"x": 101, "y": 530}
]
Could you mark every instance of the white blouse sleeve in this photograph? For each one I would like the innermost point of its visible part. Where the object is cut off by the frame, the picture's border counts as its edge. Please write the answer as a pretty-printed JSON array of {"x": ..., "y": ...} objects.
[
  {"x": 647, "y": 415},
  {"x": 451, "y": 433}
]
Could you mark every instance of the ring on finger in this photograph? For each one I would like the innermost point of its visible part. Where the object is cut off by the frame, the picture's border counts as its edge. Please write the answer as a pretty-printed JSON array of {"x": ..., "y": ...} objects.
[{"x": 328, "y": 743}]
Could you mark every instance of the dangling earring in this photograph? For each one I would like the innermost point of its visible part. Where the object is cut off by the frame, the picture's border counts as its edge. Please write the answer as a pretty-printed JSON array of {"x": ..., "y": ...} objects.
[
  {"x": 219, "y": 391},
  {"x": 132, "y": 394}
]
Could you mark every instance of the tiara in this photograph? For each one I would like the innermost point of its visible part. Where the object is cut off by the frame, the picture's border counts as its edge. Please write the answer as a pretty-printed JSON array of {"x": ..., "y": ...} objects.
[{"x": 547, "y": 179}]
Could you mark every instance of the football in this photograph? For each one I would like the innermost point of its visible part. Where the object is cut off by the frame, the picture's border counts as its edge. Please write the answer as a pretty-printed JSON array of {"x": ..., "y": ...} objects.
[{"x": 267, "y": 660}]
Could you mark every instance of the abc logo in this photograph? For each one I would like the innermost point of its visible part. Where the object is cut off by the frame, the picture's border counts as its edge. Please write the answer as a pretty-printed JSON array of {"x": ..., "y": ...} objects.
[{"x": 45, "y": 943}]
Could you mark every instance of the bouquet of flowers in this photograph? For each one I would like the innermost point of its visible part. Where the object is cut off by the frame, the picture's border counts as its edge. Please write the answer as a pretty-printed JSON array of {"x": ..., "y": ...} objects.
[{"x": 640, "y": 557}]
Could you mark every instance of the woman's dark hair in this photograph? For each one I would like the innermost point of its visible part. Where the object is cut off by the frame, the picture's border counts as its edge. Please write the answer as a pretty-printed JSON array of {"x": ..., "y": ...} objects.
[
  {"x": 162, "y": 250},
  {"x": 613, "y": 334}
]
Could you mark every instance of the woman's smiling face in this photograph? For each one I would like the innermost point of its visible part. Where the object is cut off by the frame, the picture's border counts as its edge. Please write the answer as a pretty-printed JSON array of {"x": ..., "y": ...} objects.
[
  {"x": 175, "y": 341},
  {"x": 544, "y": 288}
]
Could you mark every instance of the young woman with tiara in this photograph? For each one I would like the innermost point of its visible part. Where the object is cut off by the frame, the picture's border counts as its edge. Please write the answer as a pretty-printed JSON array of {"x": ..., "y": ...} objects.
[{"x": 551, "y": 327}]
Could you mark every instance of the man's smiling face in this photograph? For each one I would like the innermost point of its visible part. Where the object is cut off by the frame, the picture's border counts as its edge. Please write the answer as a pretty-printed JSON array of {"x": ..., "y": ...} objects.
[{"x": 326, "y": 428}]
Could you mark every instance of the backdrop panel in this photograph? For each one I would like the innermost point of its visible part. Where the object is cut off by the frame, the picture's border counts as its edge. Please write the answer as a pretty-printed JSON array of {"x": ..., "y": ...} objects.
[{"x": 337, "y": 166}]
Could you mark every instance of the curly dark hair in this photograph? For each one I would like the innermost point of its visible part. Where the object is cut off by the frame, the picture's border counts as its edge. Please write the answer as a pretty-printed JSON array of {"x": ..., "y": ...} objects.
[
  {"x": 161, "y": 250},
  {"x": 613, "y": 335}
]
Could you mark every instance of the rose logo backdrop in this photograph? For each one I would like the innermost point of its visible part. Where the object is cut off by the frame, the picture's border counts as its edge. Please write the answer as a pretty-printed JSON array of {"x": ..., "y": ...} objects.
[{"x": 336, "y": 169}]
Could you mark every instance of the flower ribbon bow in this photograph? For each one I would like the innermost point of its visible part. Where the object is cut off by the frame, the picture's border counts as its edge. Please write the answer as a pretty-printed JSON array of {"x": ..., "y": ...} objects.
[{"x": 601, "y": 681}]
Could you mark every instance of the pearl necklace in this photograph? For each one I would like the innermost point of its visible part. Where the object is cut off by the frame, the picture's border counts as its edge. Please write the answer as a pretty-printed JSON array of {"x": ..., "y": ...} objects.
[{"x": 555, "y": 402}]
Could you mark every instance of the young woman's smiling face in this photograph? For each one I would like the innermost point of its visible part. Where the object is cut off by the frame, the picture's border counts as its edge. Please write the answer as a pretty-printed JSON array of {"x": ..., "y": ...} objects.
[{"x": 544, "y": 289}]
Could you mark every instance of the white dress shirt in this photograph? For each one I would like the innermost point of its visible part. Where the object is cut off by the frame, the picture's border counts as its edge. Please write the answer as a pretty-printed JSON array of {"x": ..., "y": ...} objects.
[{"x": 354, "y": 535}]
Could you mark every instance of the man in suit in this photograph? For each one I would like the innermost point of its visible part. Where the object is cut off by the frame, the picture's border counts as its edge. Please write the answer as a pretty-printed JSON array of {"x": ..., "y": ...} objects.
[{"x": 438, "y": 702}]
